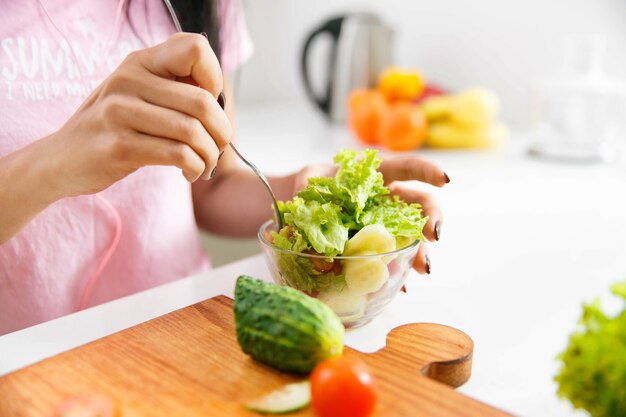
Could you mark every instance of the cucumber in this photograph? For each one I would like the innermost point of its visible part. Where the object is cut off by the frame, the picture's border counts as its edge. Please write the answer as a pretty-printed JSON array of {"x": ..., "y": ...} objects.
[
  {"x": 284, "y": 328},
  {"x": 291, "y": 397}
]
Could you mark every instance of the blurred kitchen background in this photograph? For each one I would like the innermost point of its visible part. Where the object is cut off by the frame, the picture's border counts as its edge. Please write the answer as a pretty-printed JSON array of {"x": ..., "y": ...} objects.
[
  {"x": 502, "y": 45},
  {"x": 509, "y": 47}
]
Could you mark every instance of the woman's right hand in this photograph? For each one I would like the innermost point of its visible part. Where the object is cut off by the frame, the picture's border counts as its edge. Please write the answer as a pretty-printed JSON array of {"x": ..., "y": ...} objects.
[{"x": 158, "y": 107}]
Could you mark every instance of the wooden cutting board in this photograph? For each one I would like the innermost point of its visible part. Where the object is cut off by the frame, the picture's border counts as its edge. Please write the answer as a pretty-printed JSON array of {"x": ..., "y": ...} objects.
[{"x": 188, "y": 363}]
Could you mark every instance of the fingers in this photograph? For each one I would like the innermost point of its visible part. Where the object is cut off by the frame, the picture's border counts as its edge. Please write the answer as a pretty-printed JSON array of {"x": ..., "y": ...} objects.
[
  {"x": 166, "y": 123},
  {"x": 185, "y": 55},
  {"x": 410, "y": 168},
  {"x": 413, "y": 168},
  {"x": 193, "y": 101},
  {"x": 421, "y": 263},
  {"x": 173, "y": 109},
  {"x": 430, "y": 208},
  {"x": 143, "y": 150}
]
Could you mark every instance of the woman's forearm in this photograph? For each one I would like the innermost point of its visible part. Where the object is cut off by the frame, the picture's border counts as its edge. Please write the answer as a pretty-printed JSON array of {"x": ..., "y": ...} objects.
[
  {"x": 26, "y": 187},
  {"x": 237, "y": 203}
]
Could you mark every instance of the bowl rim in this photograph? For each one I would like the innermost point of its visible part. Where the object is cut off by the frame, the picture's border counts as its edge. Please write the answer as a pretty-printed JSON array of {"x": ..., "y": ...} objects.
[{"x": 264, "y": 241}]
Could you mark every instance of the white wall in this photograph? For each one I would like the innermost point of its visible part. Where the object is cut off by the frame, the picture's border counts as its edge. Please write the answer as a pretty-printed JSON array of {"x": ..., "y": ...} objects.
[{"x": 495, "y": 43}]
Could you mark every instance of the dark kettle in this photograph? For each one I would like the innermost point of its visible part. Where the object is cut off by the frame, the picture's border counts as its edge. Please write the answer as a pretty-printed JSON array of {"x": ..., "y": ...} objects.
[{"x": 361, "y": 48}]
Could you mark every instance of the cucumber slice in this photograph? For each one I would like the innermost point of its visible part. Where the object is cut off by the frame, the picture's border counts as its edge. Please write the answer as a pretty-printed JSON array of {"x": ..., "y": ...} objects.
[{"x": 291, "y": 397}]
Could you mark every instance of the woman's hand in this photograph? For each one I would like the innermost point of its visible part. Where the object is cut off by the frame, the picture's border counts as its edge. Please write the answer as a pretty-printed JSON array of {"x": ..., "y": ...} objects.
[
  {"x": 397, "y": 173},
  {"x": 158, "y": 107},
  {"x": 149, "y": 111}
]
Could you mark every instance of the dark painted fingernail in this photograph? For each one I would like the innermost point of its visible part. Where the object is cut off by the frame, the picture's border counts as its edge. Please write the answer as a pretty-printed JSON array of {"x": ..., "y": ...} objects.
[
  {"x": 446, "y": 178},
  {"x": 213, "y": 172},
  {"x": 437, "y": 230},
  {"x": 221, "y": 100},
  {"x": 427, "y": 264},
  {"x": 222, "y": 153},
  {"x": 205, "y": 35},
  {"x": 403, "y": 289}
]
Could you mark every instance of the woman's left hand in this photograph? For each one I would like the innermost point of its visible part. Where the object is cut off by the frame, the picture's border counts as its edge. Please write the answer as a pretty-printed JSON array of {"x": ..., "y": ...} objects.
[{"x": 398, "y": 172}]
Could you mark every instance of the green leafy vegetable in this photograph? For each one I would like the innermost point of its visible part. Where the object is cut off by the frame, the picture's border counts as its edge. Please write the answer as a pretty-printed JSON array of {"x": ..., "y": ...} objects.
[
  {"x": 593, "y": 366},
  {"x": 323, "y": 216},
  {"x": 319, "y": 222},
  {"x": 360, "y": 178},
  {"x": 298, "y": 271},
  {"x": 399, "y": 218}
]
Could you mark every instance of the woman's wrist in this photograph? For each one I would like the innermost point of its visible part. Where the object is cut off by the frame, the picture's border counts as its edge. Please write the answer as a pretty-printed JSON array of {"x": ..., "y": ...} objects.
[
  {"x": 49, "y": 176},
  {"x": 24, "y": 189},
  {"x": 29, "y": 174}
]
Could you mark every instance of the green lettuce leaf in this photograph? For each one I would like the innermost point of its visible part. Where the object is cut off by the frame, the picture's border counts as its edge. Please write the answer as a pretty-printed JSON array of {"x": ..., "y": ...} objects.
[
  {"x": 290, "y": 239},
  {"x": 331, "y": 209},
  {"x": 319, "y": 223},
  {"x": 359, "y": 176},
  {"x": 298, "y": 271},
  {"x": 398, "y": 217},
  {"x": 593, "y": 370}
]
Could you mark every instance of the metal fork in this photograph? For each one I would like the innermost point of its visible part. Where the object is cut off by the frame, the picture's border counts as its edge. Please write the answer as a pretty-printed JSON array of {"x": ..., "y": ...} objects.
[{"x": 279, "y": 218}]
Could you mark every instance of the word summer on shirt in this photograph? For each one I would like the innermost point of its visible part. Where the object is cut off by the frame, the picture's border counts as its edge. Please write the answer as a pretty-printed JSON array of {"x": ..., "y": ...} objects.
[{"x": 38, "y": 69}]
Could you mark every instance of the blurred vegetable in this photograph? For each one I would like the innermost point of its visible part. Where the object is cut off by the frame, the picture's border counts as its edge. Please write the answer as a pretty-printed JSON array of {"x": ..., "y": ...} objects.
[
  {"x": 341, "y": 387},
  {"x": 86, "y": 404},
  {"x": 593, "y": 366},
  {"x": 405, "y": 113},
  {"x": 366, "y": 109},
  {"x": 430, "y": 90},
  {"x": 398, "y": 84},
  {"x": 403, "y": 127},
  {"x": 290, "y": 398},
  {"x": 388, "y": 115}
]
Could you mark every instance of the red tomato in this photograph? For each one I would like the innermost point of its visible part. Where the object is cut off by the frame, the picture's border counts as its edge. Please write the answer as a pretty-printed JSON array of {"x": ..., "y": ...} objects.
[
  {"x": 86, "y": 405},
  {"x": 343, "y": 387}
]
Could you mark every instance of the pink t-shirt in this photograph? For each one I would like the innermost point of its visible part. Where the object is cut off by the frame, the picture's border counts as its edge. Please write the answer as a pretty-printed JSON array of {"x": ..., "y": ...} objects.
[{"x": 44, "y": 269}]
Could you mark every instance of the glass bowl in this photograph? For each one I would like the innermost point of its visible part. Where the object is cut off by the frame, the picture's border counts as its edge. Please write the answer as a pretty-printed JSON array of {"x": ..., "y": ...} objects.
[{"x": 356, "y": 288}]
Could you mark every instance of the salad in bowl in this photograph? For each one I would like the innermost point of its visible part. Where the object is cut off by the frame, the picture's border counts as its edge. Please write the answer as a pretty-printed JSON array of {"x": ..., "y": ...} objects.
[{"x": 345, "y": 239}]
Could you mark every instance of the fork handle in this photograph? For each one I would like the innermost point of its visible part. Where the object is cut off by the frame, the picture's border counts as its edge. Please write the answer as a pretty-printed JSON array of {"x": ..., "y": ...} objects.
[{"x": 221, "y": 100}]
